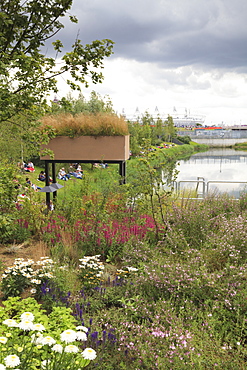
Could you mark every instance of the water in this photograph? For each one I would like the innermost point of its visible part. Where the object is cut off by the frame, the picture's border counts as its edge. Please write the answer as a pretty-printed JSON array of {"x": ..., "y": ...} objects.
[{"x": 218, "y": 165}]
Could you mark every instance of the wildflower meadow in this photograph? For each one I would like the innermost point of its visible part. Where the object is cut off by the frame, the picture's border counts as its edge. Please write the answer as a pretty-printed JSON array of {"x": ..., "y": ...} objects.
[{"x": 132, "y": 279}]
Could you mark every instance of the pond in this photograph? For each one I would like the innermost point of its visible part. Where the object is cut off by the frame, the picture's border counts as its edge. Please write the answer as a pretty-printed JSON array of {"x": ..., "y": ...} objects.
[{"x": 220, "y": 170}]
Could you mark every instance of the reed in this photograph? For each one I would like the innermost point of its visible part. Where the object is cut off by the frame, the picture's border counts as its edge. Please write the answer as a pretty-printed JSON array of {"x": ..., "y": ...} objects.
[{"x": 101, "y": 124}]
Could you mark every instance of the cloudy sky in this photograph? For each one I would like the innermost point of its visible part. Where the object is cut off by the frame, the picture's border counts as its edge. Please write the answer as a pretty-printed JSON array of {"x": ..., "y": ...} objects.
[{"x": 188, "y": 54}]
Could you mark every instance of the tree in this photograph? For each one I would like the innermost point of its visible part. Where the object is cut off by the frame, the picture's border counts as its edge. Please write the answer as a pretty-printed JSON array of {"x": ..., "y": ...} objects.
[
  {"x": 94, "y": 105},
  {"x": 170, "y": 129},
  {"x": 26, "y": 73}
]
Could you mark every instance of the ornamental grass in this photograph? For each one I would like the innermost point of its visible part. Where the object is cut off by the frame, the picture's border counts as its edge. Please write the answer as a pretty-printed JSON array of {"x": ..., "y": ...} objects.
[{"x": 101, "y": 124}]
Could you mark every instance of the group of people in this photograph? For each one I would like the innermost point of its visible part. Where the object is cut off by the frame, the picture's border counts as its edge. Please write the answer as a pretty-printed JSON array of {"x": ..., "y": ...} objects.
[
  {"x": 75, "y": 171},
  {"x": 28, "y": 167}
]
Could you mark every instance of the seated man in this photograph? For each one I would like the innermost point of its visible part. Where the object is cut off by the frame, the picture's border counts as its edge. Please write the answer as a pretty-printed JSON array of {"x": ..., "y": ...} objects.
[
  {"x": 77, "y": 174},
  {"x": 62, "y": 175}
]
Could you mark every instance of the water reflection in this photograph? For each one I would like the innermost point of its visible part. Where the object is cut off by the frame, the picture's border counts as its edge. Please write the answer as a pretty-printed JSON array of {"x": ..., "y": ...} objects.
[{"x": 216, "y": 165}]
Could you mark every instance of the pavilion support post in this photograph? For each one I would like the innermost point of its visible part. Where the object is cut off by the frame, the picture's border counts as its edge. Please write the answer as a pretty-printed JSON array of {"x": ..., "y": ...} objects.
[
  {"x": 54, "y": 178},
  {"x": 47, "y": 182},
  {"x": 122, "y": 172}
]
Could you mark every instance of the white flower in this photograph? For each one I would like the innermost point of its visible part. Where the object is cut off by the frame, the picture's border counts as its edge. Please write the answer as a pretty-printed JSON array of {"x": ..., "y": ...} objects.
[
  {"x": 71, "y": 349},
  {"x": 81, "y": 327},
  {"x": 47, "y": 340},
  {"x": 12, "y": 361},
  {"x": 33, "y": 291},
  {"x": 10, "y": 323},
  {"x": 35, "y": 281},
  {"x": 38, "y": 327},
  {"x": 26, "y": 325},
  {"x": 131, "y": 269},
  {"x": 2, "y": 367},
  {"x": 3, "y": 340},
  {"x": 68, "y": 336},
  {"x": 57, "y": 348},
  {"x": 37, "y": 339},
  {"x": 89, "y": 354},
  {"x": 44, "y": 363},
  {"x": 27, "y": 316},
  {"x": 80, "y": 335}
]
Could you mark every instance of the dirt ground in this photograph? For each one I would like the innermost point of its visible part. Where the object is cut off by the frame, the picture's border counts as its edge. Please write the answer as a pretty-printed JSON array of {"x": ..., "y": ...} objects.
[{"x": 28, "y": 250}]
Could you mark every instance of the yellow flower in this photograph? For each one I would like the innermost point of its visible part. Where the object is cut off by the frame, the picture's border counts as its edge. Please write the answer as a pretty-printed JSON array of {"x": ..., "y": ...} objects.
[{"x": 20, "y": 349}]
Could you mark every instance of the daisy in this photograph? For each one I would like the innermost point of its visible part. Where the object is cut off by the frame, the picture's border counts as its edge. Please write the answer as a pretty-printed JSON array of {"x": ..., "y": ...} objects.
[
  {"x": 2, "y": 367},
  {"x": 71, "y": 349},
  {"x": 81, "y": 327},
  {"x": 57, "y": 348},
  {"x": 38, "y": 327},
  {"x": 3, "y": 340},
  {"x": 80, "y": 335},
  {"x": 26, "y": 325},
  {"x": 10, "y": 323},
  {"x": 89, "y": 354},
  {"x": 12, "y": 361},
  {"x": 48, "y": 340},
  {"x": 27, "y": 316},
  {"x": 68, "y": 336}
]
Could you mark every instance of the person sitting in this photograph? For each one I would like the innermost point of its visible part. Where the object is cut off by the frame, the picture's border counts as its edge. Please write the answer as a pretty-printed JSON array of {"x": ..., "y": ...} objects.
[
  {"x": 42, "y": 176},
  {"x": 77, "y": 174},
  {"x": 29, "y": 167},
  {"x": 33, "y": 186},
  {"x": 62, "y": 175}
]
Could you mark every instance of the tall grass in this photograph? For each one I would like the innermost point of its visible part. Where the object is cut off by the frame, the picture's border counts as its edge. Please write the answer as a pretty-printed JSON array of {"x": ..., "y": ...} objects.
[{"x": 101, "y": 124}]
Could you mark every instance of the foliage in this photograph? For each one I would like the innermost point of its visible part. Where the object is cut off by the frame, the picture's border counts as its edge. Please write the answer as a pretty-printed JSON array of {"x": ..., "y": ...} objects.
[
  {"x": 26, "y": 73},
  {"x": 184, "y": 139},
  {"x": 24, "y": 344},
  {"x": 147, "y": 129},
  {"x": 10, "y": 185},
  {"x": 96, "y": 104}
]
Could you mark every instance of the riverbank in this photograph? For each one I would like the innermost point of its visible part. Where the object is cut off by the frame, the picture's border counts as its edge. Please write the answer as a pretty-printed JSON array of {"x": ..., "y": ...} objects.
[{"x": 240, "y": 146}]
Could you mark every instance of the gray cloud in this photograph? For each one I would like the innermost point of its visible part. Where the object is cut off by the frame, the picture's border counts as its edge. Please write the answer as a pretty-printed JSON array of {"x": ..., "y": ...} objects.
[{"x": 171, "y": 33}]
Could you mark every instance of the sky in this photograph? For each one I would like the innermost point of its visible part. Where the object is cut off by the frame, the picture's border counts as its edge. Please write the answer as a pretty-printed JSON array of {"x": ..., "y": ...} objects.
[{"x": 187, "y": 54}]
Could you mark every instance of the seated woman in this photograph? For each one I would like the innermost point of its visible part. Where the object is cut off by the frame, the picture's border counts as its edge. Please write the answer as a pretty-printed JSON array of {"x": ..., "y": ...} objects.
[{"x": 42, "y": 176}]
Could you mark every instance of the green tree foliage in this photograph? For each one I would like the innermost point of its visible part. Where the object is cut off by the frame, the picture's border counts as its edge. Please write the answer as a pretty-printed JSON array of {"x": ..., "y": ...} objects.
[
  {"x": 170, "y": 129},
  {"x": 27, "y": 74},
  {"x": 10, "y": 185},
  {"x": 146, "y": 128},
  {"x": 96, "y": 104}
]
